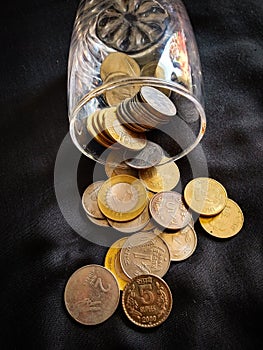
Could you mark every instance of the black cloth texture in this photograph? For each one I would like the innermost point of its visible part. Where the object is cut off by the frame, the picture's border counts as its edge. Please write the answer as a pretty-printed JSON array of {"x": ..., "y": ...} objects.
[{"x": 217, "y": 292}]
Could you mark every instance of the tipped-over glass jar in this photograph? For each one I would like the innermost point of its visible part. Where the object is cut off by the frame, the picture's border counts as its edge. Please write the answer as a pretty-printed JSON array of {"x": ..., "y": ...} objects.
[{"x": 134, "y": 76}]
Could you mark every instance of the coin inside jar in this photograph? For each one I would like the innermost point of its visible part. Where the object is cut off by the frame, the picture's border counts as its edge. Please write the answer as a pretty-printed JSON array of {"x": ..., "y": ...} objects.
[
  {"x": 91, "y": 294},
  {"x": 121, "y": 63},
  {"x": 147, "y": 300}
]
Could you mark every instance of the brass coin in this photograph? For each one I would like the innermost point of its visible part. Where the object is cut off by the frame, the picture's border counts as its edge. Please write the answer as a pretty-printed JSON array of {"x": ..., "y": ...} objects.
[
  {"x": 122, "y": 198},
  {"x": 95, "y": 132},
  {"x": 205, "y": 196},
  {"x": 90, "y": 202},
  {"x": 99, "y": 222},
  {"x": 122, "y": 135},
  {"x": 225, "y": 224},
  {"x": 91, "y": 294},
  {"x": 168, "y": 210},
  {"x": 121, "y": 63},
  {"x": 149, "y": 156},
  {"x": 144, "y": 252},
  {"x": 112, "y": 262},
  {"x": 118, "y": 94},
  {"x": 163, "y": 177},
  {"x": 147, "y": 300},
  {"x": 182, "y": 243},
  {"x": 149, "y": 68},
  {"x": 134, "y": 225},
  {"x": 115, "y": 76}
]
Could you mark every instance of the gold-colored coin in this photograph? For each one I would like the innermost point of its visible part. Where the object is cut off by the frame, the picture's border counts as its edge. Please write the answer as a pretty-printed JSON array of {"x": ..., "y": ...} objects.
[
  {"x": 119, "y": 62},
  {"x": 122, "y": 135},
  {"x": 122, "y": 198},
  {"x": 147, "y": 300},
  {"x": 118, "y": 94},
  {"x": 149, "y": 68},
  {"x": 227, "y": 223},
  {"x": 205, "y": 196},
  {"x": 115, "y": 76},
  {"x": 112, "y": 262},
  {"x": 91, "y": 294},
  {"x": 134, "y": 225},
  {"x": 94, "y": 132},
  {"x": 159, "y": 178},
  {"x": 182, "y": 243}
]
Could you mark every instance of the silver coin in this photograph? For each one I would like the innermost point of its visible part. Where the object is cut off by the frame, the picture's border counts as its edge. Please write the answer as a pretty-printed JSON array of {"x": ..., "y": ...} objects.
[
  {"x": 150, "y": 156},
  {"x": 158, "y": 101}
]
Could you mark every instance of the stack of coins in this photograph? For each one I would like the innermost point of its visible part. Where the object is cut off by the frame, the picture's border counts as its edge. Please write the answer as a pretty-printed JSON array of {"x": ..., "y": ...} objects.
[
  {"x": 106, "y": 129},
  {"x": 146, "y": 110},
  {"x": 131, "y": 110}
]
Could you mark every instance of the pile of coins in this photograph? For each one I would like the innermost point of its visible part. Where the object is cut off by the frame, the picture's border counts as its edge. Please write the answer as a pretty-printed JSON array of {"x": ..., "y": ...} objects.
[
  {"x": 160, "y": 229},
  {"x": 139, "y": 200}
]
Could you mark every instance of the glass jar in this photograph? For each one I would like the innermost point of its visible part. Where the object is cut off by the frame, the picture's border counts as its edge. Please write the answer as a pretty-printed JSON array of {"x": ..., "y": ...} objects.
[{"x": 158, "y": 38}]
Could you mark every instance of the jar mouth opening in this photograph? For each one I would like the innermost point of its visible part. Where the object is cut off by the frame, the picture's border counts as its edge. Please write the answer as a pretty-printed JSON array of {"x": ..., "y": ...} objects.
[{"x": 89, "y": 104}]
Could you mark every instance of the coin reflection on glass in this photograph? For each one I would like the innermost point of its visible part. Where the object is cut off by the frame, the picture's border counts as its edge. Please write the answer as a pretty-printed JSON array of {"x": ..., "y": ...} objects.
[{"x": 91, "y": 294}]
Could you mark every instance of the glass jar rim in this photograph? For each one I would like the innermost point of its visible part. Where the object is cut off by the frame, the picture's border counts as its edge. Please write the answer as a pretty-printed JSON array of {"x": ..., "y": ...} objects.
[{"x": 149, "y": 81}]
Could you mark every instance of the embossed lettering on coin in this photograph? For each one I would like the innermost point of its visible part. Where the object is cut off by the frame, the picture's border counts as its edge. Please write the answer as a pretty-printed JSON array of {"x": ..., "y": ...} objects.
[
  {"x": 91, "y": 294},
  {"x": 147, "y": 300},
  {"x": 144, "y": 252},
  {"x": 168, "y": 210},
  {"x": 205, "y": 196}
]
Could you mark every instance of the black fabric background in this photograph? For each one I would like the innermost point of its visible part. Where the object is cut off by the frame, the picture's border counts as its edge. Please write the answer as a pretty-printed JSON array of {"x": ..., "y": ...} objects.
[{"x": 218, "y": 291}]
